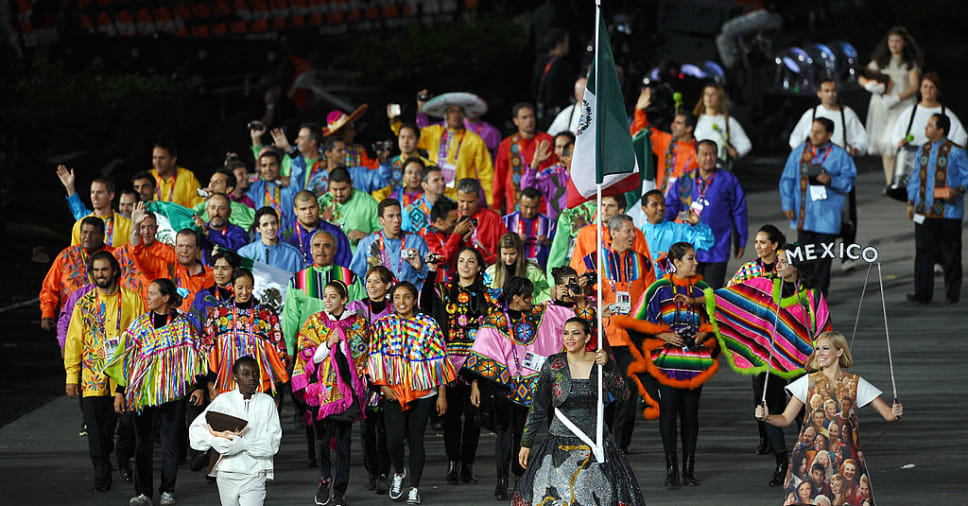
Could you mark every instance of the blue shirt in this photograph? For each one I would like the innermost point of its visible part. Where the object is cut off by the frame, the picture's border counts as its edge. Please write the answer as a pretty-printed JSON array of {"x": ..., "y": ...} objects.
[
  {"x": 300, "y": 238},
  {"x": 364, "y": 179},
  {"x": 821, "y": 216},
  {"x": 724, "y": 209},
  {"x": 659, "y": 237},
  {"x": 283, "y": 256},
  {"x": 956, "y": 175},
  {"x": 369, "y": 253},
  {"x": 284, "y": 205},
  {"x": 232, "y": 237},
  {"x": 78, "y": 209}
]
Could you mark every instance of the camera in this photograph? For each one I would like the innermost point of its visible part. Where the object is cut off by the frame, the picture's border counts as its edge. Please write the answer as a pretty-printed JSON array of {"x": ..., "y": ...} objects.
[
  {"x": 573, "y": 287},
  {"x": 434, "y": 258},
  {"x": 256, "y": 125},
  {"x": 423, "y": 97},
  {"x": 411, "y": 253},
  {"x": 379, "y": 146}
]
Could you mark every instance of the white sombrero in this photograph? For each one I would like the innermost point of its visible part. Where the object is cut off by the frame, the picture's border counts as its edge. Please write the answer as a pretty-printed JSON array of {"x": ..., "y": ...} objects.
[{"x": 474, "y": 106}]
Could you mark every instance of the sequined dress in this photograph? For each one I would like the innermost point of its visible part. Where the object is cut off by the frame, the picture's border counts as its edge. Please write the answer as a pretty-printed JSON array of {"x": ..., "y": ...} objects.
[{"x": 561, "y": 469}]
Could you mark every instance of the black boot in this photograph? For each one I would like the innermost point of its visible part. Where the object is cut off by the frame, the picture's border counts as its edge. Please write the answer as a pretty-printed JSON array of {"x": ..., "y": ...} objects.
[
  {"x": 501, "y": 489},
  {"x": 764, "y": 447},
  {"x": 779, "y": 474},
  {"x": 689, "y": 470},
  {"x": 466, "y": 474},
  {"x": 672, "y": 472},
  {"x": 453, "y": 472}
]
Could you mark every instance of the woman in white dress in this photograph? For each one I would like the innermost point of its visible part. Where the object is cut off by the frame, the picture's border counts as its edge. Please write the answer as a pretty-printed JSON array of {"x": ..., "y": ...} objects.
[
  {"x": 898, "y": 57},
  {"x": 714, "y": 123}
]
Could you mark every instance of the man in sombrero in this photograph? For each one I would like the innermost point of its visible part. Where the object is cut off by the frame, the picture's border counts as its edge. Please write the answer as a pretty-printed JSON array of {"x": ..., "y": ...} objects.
[
  {"x": 340, "y": 124},
  {"x": 459, "y": 152}
]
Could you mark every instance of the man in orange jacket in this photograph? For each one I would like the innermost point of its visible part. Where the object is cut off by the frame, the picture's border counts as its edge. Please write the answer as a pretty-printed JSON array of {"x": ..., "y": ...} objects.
[{"x": 69, "y": 270}]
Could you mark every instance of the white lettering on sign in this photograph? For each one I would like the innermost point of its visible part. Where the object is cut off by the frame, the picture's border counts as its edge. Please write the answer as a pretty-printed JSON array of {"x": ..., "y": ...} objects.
[{"x": 833, "y": 250}]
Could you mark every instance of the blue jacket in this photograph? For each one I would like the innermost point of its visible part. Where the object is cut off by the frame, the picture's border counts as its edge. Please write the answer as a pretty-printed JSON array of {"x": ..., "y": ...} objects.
[
  {"x": 364, "y": 179},
  {"x": 660, "y": 237},
  {"x": 283, "y": 256},
  {"x": 257, "y": 192},
  {"x": 368, "y": 254},
  {"x": 724, "y": 209},
  {"x": 821, "y": 216},
  {"x": 957, "y": 175}
]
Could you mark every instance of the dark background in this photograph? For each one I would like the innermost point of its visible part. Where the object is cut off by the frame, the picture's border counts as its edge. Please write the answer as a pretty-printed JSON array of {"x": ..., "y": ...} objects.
[{"x": 98, "y": 102}]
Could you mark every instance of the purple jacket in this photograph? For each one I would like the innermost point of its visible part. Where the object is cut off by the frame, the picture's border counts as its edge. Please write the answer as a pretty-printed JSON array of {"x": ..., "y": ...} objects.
[
  {"x": 552, "y": 182},
  {"x": 233, "y": 238},
  {"x": 724, "y": 209},
  {"x": 64, "y": 317}
]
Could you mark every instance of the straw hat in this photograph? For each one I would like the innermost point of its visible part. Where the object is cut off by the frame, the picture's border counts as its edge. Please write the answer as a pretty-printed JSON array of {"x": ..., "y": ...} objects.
[
  {"x": 338, "y": 119},
  {"x": 473, "y": 105}
]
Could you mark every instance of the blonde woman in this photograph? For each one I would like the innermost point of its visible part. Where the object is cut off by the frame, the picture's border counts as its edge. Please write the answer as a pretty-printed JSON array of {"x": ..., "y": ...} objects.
[{"x": 830, "y": 359}]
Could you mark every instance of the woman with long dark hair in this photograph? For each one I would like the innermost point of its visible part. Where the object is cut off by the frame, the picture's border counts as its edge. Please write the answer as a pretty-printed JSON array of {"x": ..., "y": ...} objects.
[
  {"x": 408, "y": 362},
  {"x": 241, "y": 327},
  {"x": 460, "y": 306},
  {"x": 330, "y": 376},
  {"x": 783, "y": 311},
  {"x": 159, "y": 363}
]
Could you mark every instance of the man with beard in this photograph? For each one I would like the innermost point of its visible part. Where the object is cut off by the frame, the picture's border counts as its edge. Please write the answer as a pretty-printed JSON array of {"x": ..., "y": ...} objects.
[
  {"x": 68, "y": 272},
  {"x": 98, "y": 319},
  {"x": 219, "y": 231}
]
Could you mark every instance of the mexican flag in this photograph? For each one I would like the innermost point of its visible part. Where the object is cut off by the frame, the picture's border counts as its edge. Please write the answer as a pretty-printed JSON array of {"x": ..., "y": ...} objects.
[
  {"x": 603, "y": 147},
  {"x": 270, "y": 283}
]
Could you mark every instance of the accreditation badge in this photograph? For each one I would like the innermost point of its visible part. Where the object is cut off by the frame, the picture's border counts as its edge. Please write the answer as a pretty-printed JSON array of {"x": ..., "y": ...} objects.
[
  {"x": 697, "y": 207},
  {"x": 449, "y": 171},
  {"x": 110, "y": 346}
]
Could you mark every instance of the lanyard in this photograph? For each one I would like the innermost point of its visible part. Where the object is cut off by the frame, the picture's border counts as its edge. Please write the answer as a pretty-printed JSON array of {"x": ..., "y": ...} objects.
[
  {"x": 385, "y": 257},
  {"x": 272, "y": 197},
  {"x": 443, "y": 152},
  {"x": 704, "y": 188},
  {"x": 103, "y": 311},
  {"x": 813, "y": 149},
  {"x": 171, "y": 192}
]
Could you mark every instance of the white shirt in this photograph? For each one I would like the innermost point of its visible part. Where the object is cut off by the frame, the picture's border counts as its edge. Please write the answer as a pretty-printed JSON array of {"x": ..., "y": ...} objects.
[
  {"x": 262, "y": 435},
  {"x": 866, "y": 393},
  {"x": 567, "y": 119},
  {"x": 921, "y": 117},
  {"x": 737, "y": 136},
  {"x": 856, "y": 135}
]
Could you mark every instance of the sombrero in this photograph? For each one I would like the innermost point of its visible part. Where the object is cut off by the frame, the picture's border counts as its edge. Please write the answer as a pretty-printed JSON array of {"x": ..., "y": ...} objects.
[
  {"x": 338, "y": 119},
  {"x": 474, "y": 106}
]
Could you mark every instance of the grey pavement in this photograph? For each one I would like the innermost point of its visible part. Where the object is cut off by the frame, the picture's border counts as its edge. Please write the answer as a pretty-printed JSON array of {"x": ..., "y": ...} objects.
[{"x": 920, "y": 460}]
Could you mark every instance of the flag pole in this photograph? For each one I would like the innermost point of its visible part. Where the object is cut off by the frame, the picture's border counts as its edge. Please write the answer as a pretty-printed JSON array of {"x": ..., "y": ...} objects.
[{"x": 600, "y": 412}]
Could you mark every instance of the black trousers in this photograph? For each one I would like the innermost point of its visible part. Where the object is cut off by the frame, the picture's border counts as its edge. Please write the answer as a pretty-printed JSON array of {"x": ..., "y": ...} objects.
[
  {"x": 100, "y": 418},
  {"x": 411, "y": 423},
  {"x": 509, "y": 421},
  {"x": 462, "y": 424},
  {"x": 848, "y": 219},
  {"x": 124, "y": 449},
  {"x": 170, "y": 417},
  {"x": 620, "y": 415},
  {"x": 937, "y": 240},
  {"x": 775, "y": 402},
  {"x": 681, "y": 404},
  {"x": 714, "y": 274},
  {"x": 341, "y": 433},
  {"x": 805, "y": 237},
  {"x": 373, "y": 434}
]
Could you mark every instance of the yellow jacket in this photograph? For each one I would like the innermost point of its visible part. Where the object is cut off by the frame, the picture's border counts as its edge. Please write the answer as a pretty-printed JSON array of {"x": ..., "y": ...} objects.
[{"x": 472, "y": 160}]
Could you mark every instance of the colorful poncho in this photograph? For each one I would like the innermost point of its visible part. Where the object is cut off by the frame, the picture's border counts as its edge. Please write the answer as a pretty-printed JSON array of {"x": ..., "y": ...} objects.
[
  {"x": 745, "y": 314},
  {"x": 157, "y": 365},
  {"x": 510, "y": 352},
  {"x": 408, "y": 355},
  {"x": 323, "y": 385},
  {"x": 686, "y": 367},
  {"x": 232, "y": 332},
  {"x": 460, "y": 317}
]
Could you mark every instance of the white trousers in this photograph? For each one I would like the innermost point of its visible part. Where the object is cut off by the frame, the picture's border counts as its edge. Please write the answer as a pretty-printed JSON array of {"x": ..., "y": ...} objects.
[{"x": 241, "y": 489}]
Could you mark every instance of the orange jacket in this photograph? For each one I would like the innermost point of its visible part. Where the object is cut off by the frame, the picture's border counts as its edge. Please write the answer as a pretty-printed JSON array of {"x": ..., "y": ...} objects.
[
  {"x": 66, "y": 274},
  {"x": 165, "y": 265},
  {"x": 685, "y": 152},
  {"x": 130, "y": 269},
  {"x": 505, "y": 192},
  {"x": 587, "y": 237}
]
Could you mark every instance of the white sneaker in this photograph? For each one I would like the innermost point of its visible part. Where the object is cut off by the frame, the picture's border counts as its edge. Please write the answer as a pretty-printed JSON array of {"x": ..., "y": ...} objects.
[
  {"x": 167, "y": 498},
  {"x": 413, "y": 497},
  {"x": 141, "y": 500},
  {"x": 396, "y": 486}
]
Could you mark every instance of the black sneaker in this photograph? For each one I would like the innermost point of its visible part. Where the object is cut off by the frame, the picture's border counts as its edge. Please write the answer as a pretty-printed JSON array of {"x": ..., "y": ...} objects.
[
  {"x": 340, "y": 501},
  {"x": 324, "y": 494},
  {"x": 382, "y": 484},
  {"x": 396, "y": 487}
]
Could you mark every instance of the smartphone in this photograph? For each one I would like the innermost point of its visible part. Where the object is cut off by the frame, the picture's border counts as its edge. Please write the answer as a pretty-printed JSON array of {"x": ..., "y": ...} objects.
[{"x": 394, "y": 110}]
